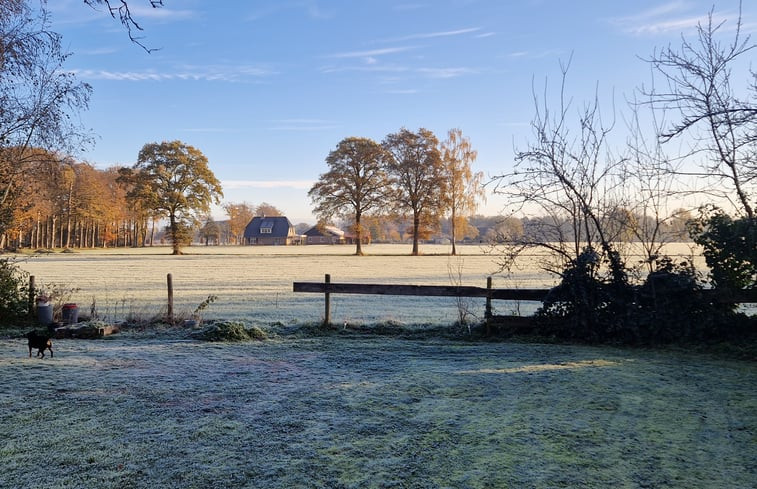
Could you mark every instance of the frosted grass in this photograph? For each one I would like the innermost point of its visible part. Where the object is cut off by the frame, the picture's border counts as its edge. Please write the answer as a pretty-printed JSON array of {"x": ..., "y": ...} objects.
[
  {"x": 255, "y": 283},
  {"x": 340, "y": 412}
]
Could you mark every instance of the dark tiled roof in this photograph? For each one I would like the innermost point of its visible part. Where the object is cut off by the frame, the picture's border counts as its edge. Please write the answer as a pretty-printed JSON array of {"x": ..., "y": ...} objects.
[{"x": 279, "y": 227}]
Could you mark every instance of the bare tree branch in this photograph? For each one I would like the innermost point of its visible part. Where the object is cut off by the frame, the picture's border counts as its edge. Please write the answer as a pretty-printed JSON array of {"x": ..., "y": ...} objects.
[
  {"x": 119, "y": 9},
  {"x": 717, "y": 120}
]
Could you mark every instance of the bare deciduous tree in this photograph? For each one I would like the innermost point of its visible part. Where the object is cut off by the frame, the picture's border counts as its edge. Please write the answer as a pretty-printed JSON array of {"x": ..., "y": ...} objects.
[
  {"x": 568, "y": 175},
  {"x": 721, "y": 123},
  {"x": 651, "y": 183}
]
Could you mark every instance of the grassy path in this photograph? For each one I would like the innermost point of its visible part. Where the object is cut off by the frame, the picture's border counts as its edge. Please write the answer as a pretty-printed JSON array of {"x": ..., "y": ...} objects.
[{"x": 372, "y": 412}]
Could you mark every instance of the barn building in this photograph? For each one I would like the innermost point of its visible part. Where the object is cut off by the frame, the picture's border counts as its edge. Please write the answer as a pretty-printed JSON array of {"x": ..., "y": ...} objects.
[{"x": 324, "y": 235}]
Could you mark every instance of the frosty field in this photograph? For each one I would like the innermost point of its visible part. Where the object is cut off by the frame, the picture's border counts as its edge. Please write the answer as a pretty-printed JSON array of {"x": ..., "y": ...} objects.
[
  {"x": 255, "y": 283},
  {"x": 347, "y": 412}
]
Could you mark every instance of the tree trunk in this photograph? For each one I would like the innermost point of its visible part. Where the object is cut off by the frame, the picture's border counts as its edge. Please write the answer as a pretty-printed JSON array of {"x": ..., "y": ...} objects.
[
  {"x": 52, "y": 232},
  {"x": 69, "y": 205},
  {"x": 416, "y": 228},
  {"x": 174, "y": 230},
  {"x": 359, "y": 235},
  {"x": 452, "y": 231},
  {"x": 68, "y": 232}
]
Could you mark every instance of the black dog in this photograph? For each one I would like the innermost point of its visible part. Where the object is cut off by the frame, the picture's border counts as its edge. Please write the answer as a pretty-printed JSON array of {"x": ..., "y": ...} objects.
[{"x": 41, "y": 342}]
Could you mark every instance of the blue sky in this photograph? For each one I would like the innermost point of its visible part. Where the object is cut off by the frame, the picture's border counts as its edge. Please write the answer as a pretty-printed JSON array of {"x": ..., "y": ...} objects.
[{"x": 265, "y": 89}]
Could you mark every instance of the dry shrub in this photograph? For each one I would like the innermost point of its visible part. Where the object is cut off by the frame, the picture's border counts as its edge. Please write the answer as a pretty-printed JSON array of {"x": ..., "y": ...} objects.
[{"x": 229, "y": 331}]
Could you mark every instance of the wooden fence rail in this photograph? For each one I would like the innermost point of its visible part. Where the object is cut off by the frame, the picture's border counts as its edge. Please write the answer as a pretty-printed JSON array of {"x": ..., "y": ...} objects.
[
  {"x": 422, "y": 290},
  {"x": 537, "y": 295},
  {"x": 327, "y": 288}
]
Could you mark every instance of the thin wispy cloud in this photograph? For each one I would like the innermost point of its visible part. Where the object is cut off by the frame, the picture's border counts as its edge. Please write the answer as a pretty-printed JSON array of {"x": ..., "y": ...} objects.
[
  {"x": 661, "y": 27},
  {"x": 534, "y": 54},
  {"x": 212, "y": 130},
  {"x": 315, "y": 11},
  {"x": 432, "y": 35},
  {"x": 304, "y": 121},
  {"x": 299, "y": 125},
  {"x": 230, "y": 74},
  {"x": 446, "y": 72},
  {"x": 96, "y": 51},
  {"x": 238, "y": 184},
  {"x": 406, "y": 91},
  {"x": 72, "y": 11},
  {"x": 368, "y": 67},
  {"x": 162, "y": 13},
  {"x": 410, "y": 72},
  {"x": 660, "y": 10},
  {"x": 669, "y": 17},
  {"x": 371, "y": 53}
]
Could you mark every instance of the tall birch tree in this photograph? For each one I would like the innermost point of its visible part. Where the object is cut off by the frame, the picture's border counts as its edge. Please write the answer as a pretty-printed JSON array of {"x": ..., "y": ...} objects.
[{"x": 464, "y": 187}]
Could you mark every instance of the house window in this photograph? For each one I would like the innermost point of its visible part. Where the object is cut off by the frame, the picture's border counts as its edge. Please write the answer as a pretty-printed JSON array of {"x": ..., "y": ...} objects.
[{"x": 266, "y": 227}]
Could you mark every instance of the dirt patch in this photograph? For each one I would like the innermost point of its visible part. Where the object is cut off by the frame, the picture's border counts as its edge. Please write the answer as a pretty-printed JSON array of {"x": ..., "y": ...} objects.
[{"x": 372, "y": 412}]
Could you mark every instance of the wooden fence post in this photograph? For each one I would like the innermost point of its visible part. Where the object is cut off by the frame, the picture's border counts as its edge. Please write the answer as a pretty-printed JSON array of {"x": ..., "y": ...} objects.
[
  {"x": 327, "y": 312},
  {"x": 488, "y": 311},
  {"x": 32, "y": 294},
  {"x": 169, "y": 280}
]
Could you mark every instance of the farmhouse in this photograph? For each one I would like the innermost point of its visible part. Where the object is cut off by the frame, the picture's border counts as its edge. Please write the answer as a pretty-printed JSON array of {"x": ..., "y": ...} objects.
[
  {"x": 276, "y": 230},
  {"x": 331, "y": 235},
  {"x": 351, "y": 239},
  {"x": 324, "y": 235}
]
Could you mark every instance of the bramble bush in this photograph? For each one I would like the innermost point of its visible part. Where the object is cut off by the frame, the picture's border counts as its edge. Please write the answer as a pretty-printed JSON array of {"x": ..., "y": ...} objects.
[
  {"x": 669, "y": 306},
  {"x": 730, "y": 248},
  {"x": 581, "y": 305},
  {"x": 591, "y": 302},
  {"x": 14, "y": 293}
]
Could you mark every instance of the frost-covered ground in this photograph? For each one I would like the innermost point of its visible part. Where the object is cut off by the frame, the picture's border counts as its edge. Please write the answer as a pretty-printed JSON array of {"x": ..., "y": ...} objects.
[
  {"x": 338, "y": 412},
  {"x": 255, "y": 283}
]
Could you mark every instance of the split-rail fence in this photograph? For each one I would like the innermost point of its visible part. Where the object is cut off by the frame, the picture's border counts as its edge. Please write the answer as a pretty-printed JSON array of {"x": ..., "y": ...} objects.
[{"x": 536, "y": 295}]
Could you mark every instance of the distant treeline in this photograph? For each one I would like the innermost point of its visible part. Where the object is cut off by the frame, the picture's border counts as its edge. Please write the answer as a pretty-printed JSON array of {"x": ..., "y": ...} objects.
[{"x": 68, "y": 204}]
